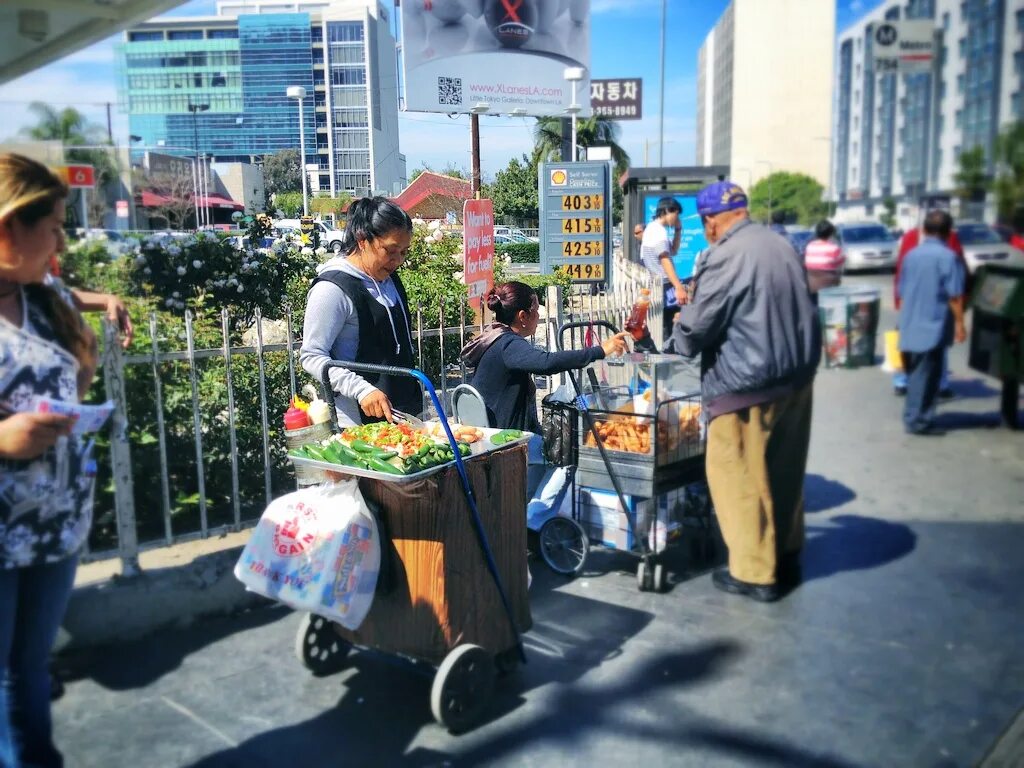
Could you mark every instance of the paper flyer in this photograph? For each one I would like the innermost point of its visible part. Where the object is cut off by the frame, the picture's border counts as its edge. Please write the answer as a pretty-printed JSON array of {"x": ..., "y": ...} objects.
[{"x": 88, "y": 418}]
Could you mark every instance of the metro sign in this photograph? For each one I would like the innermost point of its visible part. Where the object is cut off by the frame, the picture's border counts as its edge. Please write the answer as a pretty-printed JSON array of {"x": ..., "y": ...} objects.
[{"x": 78, "y": 176}]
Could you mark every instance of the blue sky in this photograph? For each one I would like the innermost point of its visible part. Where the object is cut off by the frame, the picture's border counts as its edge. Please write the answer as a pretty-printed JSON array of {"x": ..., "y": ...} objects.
[{"x": 625, "y": 43}]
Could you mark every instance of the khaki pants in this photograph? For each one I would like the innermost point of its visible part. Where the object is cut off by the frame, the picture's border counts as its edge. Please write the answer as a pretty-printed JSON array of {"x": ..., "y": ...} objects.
[{"x": 756, "y": 459}]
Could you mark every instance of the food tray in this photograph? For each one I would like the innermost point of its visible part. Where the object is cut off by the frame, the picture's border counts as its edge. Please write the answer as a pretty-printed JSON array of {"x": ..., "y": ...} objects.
[{"x": 481, "y": 448}]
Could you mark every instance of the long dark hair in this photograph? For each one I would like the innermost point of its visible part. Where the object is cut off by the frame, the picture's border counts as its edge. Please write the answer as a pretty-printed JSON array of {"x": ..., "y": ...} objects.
[
  {"x": 506, "y": 300},
  {"x": 29, "y": 191},
  {"x": 373, "y": 217}
]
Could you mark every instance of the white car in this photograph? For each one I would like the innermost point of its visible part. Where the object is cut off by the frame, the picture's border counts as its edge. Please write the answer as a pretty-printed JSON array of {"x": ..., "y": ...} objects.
[
  {"x": 983, "y": 245},
  {"x": 867, "y": 246},
  {"x": 331, "y": 239}
]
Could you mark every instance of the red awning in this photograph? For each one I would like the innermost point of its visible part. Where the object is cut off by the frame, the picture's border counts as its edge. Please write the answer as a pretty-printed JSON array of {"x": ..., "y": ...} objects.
[{"x": 154, "y": 200}]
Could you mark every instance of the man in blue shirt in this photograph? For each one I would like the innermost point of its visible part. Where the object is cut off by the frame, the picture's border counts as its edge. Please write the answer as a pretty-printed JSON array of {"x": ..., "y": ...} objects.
[{"x": 931, "y": 286}]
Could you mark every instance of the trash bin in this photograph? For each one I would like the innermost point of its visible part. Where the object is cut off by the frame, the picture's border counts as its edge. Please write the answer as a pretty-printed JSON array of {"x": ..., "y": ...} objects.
[
  {"x": 996, "y": 330},
  {"x": 849, "y": 324}
]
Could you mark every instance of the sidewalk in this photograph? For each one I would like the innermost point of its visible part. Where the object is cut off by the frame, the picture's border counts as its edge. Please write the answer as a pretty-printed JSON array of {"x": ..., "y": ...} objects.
[{"x": 901, "y": 648}]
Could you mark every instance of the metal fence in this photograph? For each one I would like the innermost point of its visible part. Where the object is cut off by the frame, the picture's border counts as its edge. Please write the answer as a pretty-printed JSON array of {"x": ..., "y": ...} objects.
[{"x": 580, "y": 305}]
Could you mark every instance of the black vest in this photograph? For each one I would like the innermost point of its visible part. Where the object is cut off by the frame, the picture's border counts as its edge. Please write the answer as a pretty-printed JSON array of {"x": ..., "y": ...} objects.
[{"x": 377, "y": 343}]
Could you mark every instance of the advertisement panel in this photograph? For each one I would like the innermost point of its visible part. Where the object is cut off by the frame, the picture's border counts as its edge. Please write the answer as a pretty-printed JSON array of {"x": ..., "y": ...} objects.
[
  {"x": 506, "y": 54},
  {"x": 905, "y": 46},
  {"x": 78, "y": 176},
  {"x": 575, "y": 220},
  {"x": 478, "y": 249},
  {"x": 692, "y": 240}
]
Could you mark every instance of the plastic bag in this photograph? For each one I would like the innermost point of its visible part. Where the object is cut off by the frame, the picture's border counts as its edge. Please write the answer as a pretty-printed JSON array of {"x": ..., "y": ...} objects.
[{"x": 316, "y": 550}]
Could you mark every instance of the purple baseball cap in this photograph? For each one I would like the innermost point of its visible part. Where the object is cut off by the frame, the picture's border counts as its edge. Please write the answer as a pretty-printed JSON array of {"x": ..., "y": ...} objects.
[{"x": 720, "y": 196}]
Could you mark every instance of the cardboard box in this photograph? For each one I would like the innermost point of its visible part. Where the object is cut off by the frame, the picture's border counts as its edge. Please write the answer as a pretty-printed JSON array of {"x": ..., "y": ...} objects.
[{"x": 605, "y": 521}]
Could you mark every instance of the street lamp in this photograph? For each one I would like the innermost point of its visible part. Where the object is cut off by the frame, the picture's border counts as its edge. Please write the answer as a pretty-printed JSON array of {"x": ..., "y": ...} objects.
[
  {"x": 770, "y": 171},
  {"x": 828, "y": 194},
  {"x": 195, "y": 109},
  {"x": 298, "y": 93},
  {"x": 573, "y": 75}
]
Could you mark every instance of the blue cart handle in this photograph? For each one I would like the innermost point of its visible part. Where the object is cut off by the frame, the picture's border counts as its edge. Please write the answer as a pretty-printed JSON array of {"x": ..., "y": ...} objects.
[{"x": 478, "y": 526}]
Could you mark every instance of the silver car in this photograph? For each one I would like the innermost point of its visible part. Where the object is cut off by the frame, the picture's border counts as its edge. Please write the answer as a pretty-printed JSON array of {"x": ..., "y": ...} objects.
[
  {"x": 867, "y": 246},
  {"x": 983, "y": 245}
]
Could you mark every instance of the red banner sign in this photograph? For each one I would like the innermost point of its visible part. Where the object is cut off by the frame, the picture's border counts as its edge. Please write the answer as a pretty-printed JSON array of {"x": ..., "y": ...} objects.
[
  {"x": 78, "y": 176},
  {"x": 478, "y": 249}
]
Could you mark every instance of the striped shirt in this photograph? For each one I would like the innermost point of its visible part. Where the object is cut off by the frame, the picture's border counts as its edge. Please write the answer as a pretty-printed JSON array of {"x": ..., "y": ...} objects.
[{"x": 824, "y": 256}]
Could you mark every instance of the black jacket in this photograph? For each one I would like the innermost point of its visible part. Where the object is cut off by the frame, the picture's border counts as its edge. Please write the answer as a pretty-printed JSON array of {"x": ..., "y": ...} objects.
[{"x": 504, "y": 377}]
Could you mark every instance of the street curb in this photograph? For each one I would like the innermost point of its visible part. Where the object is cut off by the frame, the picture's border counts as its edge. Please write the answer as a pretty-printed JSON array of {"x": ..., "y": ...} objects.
[{"x": 121, "y": 609}]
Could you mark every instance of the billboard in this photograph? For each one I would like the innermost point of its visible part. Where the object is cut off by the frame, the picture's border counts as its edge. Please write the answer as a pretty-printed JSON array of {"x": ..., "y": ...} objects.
[
  {"x": 619, "y": 99},
  {"x": 575, "y": 220},
  {"x": 905, "y": 46},
  {"x": 478, "y": 249},
  {"x": 506, "y": 54}
]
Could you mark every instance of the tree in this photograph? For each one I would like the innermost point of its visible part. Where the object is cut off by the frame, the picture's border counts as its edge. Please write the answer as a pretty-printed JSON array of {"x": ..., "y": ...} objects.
[
  {"x": 971, "y": 178},
  {"x": 796, "y": 194},
  {"x": 324, "y": 205},
  {"x": 72, "y": 128},
  {"x": 288, "y": 203},
  {"x": 590, "y": 132},
  {"x": 282, "y": 172},
  {"x": 514, "y": 191},
  {"x": 176, "y": 205},
  {"x": 889, "y": 217},
  {"x": 1009, "y": 184}
]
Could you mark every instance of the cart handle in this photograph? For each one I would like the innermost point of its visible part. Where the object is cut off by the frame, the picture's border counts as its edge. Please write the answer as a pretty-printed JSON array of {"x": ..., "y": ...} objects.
[
  {"x": 580, "y": 324},
  {"x": 481, "y": 534}
]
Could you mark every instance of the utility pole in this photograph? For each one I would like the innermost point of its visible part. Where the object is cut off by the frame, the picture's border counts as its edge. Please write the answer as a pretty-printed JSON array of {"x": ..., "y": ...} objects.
[
  {"x": 661, "y": 110},
  {"x": 110, "y": 126},
  {"x": 474, "y": 140},
  {"x": 195, "y": 109}
]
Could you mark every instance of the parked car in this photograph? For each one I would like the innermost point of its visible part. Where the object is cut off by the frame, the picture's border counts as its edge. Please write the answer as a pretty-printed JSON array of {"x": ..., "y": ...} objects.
[
  {"x": 800, "y": 237},
  {"x": 983, "y": 245},
  {"x": 514, "y": 235},
  {"x": 331, "y": 239},
  {"x": 867, "y": 246}
]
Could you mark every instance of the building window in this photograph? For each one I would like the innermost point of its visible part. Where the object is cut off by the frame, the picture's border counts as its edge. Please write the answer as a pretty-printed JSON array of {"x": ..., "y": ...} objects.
[
  {"x": 1018, "y": 63},
  {"x": 325, "y": 181},
  {"x": 185, "y": 34},
  {"x": 318, "y": 55},
  {"x": 345, "y": 32},
  {"x": 958, "y": 118},
  {"x": 316, "y": 34},
  {"x": 348, "y": 76},
  {"x": 1017, "y": 104},
  {"x": 152, "y": 37},
  {"x": 319, "y": 99},
  {"x": 222, "y": 34},
  {"x": 318, "y": 77}
]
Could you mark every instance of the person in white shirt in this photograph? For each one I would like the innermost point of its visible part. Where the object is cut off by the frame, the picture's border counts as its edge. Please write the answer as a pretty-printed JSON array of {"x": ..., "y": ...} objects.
[{"x": 657, "y": 248}]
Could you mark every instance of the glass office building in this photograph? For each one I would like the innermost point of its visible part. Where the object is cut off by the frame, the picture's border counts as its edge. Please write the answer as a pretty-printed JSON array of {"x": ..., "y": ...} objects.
[{"x": 217, "y": 86}]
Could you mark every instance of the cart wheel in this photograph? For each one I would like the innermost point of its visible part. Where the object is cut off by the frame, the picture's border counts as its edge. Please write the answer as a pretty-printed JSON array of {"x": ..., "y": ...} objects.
[
  {"x": 659, "y": 577},
  {"x": 507, "y": 661},
  {"x": 318, "y": 647},
  {"x": 564, "y": 545},
  {"x": 644, "y": 577},
  {"x": 462, "y": 687}
]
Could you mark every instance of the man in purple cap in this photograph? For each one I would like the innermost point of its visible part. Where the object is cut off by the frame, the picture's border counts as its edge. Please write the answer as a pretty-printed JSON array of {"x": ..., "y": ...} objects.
[{"x": 752, "y": 321}]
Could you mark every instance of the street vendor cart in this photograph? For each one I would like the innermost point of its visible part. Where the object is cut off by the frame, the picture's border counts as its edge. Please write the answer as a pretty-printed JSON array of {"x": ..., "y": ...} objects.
[
  {"x": 452, "y": 588},
  {"x": 641, "y": 447}
]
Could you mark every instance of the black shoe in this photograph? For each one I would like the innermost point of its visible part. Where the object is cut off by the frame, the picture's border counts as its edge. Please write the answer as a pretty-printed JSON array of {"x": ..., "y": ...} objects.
[
  {"x": 927, "y": 432},
  {"x": 947, "y": 393},
  {"x": 899, "y": 391},
  {"x": 788, "y": 572},
  {"x": 763, "y": 593}
]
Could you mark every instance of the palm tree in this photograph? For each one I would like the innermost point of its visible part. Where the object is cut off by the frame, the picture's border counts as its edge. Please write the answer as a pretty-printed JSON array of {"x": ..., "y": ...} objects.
[{"x": 590, "y": 132}]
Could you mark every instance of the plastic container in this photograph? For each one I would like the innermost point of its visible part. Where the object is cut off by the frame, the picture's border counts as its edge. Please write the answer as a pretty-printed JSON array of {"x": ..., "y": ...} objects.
[
  {"x": 296, "y": 438},
  {"x": 637, "y": 322},
  {"x": 295, "y": 418},
  {"x": 849, "y": 324}
]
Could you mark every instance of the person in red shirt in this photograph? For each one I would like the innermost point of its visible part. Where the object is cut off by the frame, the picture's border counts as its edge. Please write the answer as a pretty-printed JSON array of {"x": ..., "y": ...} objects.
[{"x": 910, "y": 240}]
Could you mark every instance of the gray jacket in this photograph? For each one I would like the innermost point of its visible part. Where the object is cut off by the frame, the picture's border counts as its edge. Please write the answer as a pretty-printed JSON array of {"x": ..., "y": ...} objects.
[{"x": 751, "y": 319}]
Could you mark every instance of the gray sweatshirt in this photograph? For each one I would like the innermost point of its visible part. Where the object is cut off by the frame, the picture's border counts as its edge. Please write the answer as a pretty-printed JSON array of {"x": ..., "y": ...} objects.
[{"x": 331, "y": 332}]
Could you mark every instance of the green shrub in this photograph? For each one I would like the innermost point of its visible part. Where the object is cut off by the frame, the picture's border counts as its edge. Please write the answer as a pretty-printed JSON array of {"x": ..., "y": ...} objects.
[{"x": 520, "y": 253}]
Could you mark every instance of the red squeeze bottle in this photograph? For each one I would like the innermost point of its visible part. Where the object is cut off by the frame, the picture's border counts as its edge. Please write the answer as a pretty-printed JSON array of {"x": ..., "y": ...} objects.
[
  {"x": 637, "y": 322},
  {"x": 295, "y": 418}
]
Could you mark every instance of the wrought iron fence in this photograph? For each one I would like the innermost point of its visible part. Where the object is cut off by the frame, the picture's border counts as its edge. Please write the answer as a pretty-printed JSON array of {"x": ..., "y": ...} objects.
[{"x": 266, "y": 472}]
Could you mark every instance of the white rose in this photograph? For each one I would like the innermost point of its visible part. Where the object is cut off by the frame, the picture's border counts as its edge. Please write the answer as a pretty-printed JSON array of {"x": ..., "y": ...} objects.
[
  {"x": 168, "y": 302},
  {"x": 147, "y": 271},
  {"x": 306, "y": 251},
  {"x": 174, "y": 250},
  {"x": 181, "y": 271},
  {"x": 140, "y": 261},
  {"x": 321, "y": 251},
  {"x": 176, "y": 295},
  {"x": 197, "y": 263},
  {"x": 241, "y": 289}
]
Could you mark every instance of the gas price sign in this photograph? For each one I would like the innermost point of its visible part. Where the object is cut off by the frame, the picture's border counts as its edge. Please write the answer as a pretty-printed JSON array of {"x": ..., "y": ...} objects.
[{"x": 575, "y": 218}]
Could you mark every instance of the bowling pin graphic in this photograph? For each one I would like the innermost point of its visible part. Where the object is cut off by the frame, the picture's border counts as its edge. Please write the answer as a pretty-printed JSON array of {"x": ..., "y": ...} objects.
[
  {"x": 578, "y": 11},
  {"x": 512, "y": 22},
  {"x": 446, "y": 11}
]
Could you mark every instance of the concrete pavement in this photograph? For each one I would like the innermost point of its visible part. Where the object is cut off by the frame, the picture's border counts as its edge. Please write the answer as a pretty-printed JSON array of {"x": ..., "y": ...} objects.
[{"x": 901, "y": 648}]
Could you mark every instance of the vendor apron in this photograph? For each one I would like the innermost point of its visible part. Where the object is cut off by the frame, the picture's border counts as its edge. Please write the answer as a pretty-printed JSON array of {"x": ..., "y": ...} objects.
[{"x": 377, "y": 344}]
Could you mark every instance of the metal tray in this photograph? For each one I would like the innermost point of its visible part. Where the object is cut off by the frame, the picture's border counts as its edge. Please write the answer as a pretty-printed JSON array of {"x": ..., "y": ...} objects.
[{"x": 485, "y": 447}]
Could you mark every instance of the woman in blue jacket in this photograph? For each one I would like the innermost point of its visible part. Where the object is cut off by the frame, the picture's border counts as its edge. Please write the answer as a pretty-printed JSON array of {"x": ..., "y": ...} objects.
[{"x": 506, "y": 362}]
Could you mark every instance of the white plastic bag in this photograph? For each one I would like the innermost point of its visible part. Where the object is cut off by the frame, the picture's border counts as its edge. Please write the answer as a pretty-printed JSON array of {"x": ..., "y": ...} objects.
[{"x": 316, "y": 550}]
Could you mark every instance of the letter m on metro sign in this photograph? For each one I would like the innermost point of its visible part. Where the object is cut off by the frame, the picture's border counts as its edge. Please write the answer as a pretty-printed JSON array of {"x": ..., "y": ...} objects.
[{"x": 478, "y": 249}]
